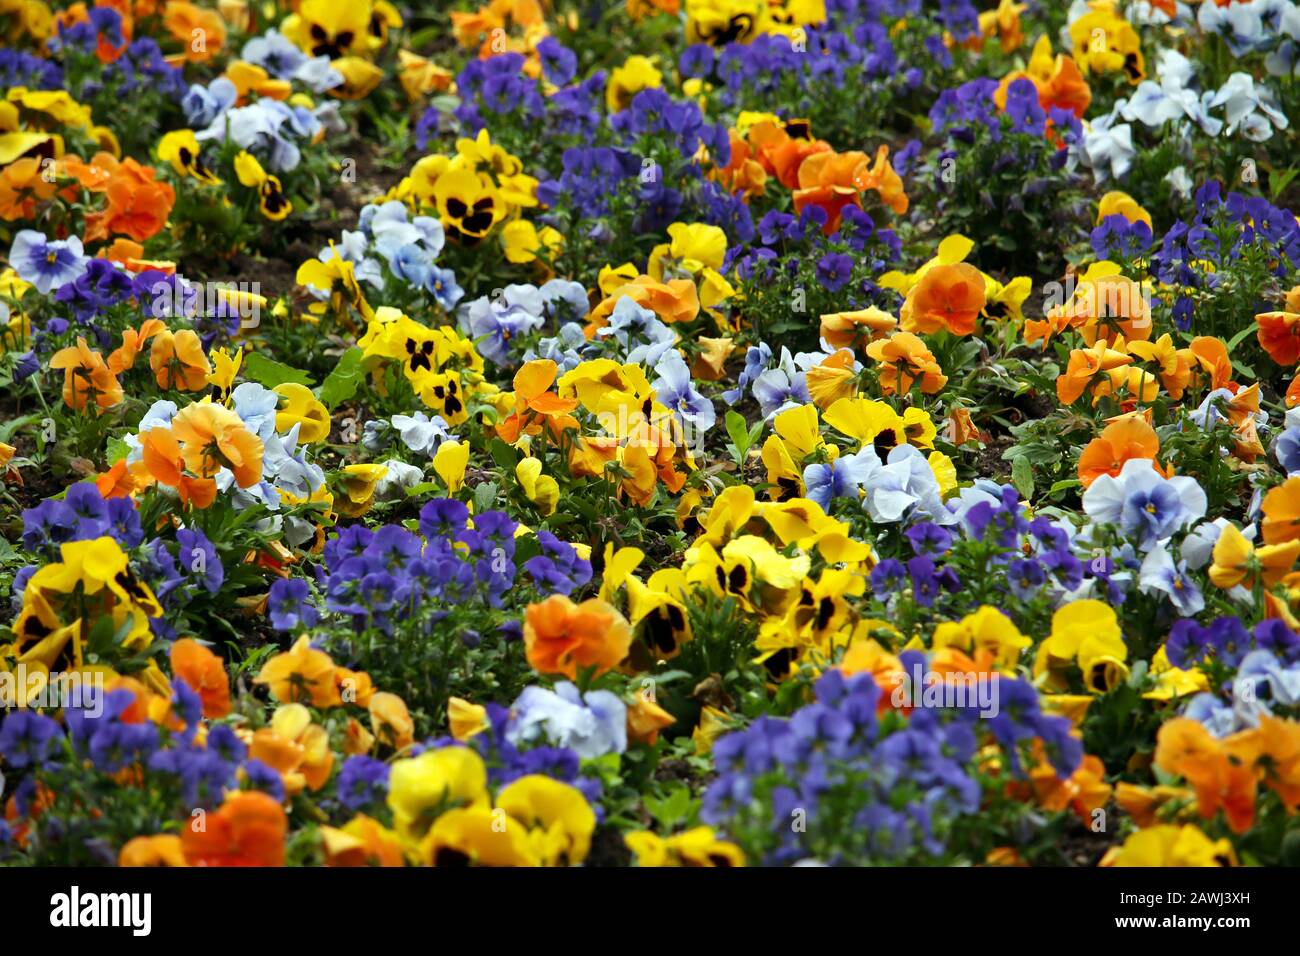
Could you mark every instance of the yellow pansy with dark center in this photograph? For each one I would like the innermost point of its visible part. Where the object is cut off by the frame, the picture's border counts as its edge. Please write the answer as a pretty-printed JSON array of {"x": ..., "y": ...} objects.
[
  {"x": 665, "y": 628},
  {"x": 31, "y": 628},
  {"x": 738, "y": 28},
  {"x": 447, "y": 395},
  {"x": 182, "y": 150},
  {"x": 798, "y": 128},
  {"x": 1133, "y": 66},
  {"x": 736, "y": 580},
  {"x": 420, "y": 355},
  {"x": 323, "y": 44},
  {"x": 194, "y": 163},
  {"x": 138, "y": 593},
  {"x": 442, "y": 392},
  {"x": 885, "y": 442},
  {"x": 274, "y": 204},
  {"x": 475, "y": 220},
  {"x": 779, "y": 663},
  {"x": 789, "y": 488},
  {"x": 823, "y": 609}
]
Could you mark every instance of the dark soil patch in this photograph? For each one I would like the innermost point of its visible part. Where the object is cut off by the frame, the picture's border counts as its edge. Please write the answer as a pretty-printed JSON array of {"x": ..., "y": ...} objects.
[
  {"x": 1030, "y": 405},
  {"x": 989, "y": 462},
  {"x": 677, "y": 771},
  {"x": 1081, "y": 846},
  {"x": 608, "y": 848}
]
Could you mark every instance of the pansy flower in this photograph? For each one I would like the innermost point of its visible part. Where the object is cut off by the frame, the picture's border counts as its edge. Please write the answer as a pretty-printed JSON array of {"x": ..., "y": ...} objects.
[
  {"x": 87, "y": 379},
  {"x": 182, "y": 151},
  {"x": 46, "y": 264}
]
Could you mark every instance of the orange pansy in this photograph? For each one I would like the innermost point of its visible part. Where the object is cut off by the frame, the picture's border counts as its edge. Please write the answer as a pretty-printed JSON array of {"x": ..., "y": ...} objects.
[
  {"x": 535, "y": 403},
  {"x": 1281, "y": 508},
  {"x": 205, "y": 674},
  {"x": 949, "y": 296},
  {"x": 86, "y": 377},
  {"x": 846, "y": 330},
  {"x": 904, "y": 360},
  {"x": 21, "y": 187},
  {"x": 164, "y": 462},
  {"x": 301, "y": 674},
  {"x": 1127, "y": 437},
  {"x": 560, "y": 637},
  {"x": 1279, "y": 336},
  {"x": 123, "y": 357},
  {"x": 248, "y": 830},
  {"x": 212, "y": 437},
  {"x": 178, "y": 361}
]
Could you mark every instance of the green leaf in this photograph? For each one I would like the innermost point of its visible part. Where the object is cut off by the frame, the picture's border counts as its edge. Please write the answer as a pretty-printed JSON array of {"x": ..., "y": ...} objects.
[
  {"x": 1035, "y": 453},
  {"x": 342, "y": 383},
  {"x": 9, "y": 429},
  {"x": 672, "y": 809},
  {"x": 271, "y": 373},
  {"x": 1022, "y": 476},
  {"x": 738, "y": 430},
  {"x": 117, "y": 450},
  {"x": 484, "y": 496},
  {"x": 1240, "y": 336},
  {"x": 1279, "y": 181},
  {"x": 505, "y": 457}
]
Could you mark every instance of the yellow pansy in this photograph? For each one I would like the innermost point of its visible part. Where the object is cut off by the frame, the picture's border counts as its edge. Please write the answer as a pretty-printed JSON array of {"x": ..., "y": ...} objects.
[
  {"x": 1173, "y": 682},
  {"x": 224, "y": 369},
  {"x": 358, "y": 483},
  {"x": 558, "y": 819},
  {"x": 1167, "y": 845},
  {"x": 619, "y": 564},
  {"x": 1117, "y": 203},
  {"x": 636, "y": 74},
  {"x": 945, "y": 472},
  {"x": 449, "y": 462},
  {"x": 695, "y": 847},
  {"x": 1087, "y": 631},
  {"x": 419, "y": 787},
  {"x": 181, "y": 149},
  {"x": 466, "y": 719},
  {"x": 985, "y": 629},
  {"x": 360, "y": 77},
  {"x": 693, "y": 247},
  {"x": 541, "y": 490},
  {"x": 1103, "y": 41},
  {"x": 329, "y": 28},
  {"x": 301, "y": 408},
  {"x": 523, "y": 241}
]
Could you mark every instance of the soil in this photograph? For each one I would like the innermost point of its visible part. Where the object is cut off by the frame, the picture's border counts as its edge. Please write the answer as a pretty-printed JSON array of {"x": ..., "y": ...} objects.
[
  {"x": 1029, "y": 406},
  {"x": 989, "y": 462},
  {"x": 608, "y": 848},
  {"x": 672, "y": 770},
  {"x": 1084, "y": 847}
]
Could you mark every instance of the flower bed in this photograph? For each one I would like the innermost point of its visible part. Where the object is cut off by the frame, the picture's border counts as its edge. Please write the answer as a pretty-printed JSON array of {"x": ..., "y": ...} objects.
[{"x": 658, "y": 433}]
